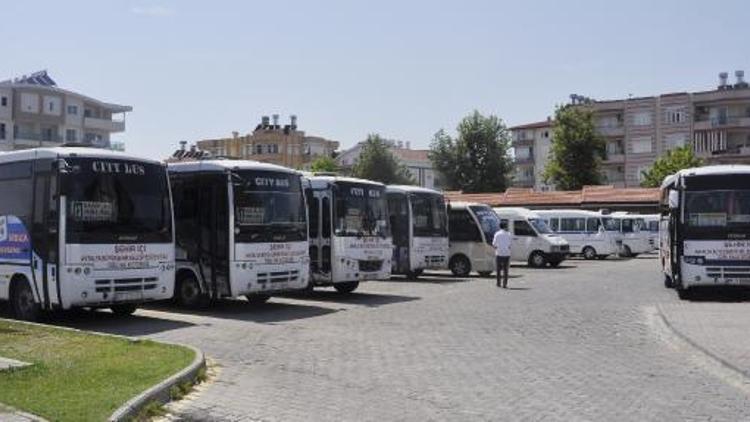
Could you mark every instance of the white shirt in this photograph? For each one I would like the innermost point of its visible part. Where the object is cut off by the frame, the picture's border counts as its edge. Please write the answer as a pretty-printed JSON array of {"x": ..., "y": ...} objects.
[{"x": 501, "y": 242}]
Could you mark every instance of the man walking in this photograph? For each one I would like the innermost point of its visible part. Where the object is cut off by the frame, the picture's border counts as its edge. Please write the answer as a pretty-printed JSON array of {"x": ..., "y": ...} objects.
[{"x": 501, "y": 242}]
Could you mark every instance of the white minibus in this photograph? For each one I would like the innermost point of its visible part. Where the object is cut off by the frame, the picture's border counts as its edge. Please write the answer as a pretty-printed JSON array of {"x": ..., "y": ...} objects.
[
  {"x": 419, "y": 222},
  {"x": 533, "y": 241},
  {"x": 241, "y": 230},
  {"x": 634, "y": 240},
  {"x": 584, "y": 231},
  {"x": 471, "y": 228},
  {"x": 350, "y": 238},
  {"x": 82, "y": 227},
  {"x": 651, "y": 225}
]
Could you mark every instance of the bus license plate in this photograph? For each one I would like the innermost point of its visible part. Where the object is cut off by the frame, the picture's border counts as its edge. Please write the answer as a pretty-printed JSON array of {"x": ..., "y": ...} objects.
[{"x": 127, "y": 296}]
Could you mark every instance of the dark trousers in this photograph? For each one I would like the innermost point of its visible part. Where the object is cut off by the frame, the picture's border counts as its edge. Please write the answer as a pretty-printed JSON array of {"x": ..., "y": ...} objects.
[{"x": 502, "y": 263}]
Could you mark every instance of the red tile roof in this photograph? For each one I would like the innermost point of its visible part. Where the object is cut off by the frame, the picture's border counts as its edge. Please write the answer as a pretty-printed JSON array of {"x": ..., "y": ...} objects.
[
  {"x": 588, "y": 196},
  {"x": 535, "y": 125},
  {"x": 411, "y": 154}
]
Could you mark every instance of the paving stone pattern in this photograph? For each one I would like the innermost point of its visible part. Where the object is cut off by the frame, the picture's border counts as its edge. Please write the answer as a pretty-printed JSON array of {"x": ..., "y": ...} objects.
[{"x": 565, "y": 344}]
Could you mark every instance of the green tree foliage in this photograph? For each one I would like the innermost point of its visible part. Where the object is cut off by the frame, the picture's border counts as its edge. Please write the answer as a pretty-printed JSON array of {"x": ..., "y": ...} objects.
[
  {"x": 675, "y": 160},
  {"x": 324, "y": 164},
  {"x": 478, "y": 159},
  {"x": 377, "y": 162},
  {"x": 577, "y": 150}
]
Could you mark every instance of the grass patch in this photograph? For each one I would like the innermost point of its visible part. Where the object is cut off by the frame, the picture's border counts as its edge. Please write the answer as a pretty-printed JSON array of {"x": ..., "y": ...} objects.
[{"x": 78, "y": 376}]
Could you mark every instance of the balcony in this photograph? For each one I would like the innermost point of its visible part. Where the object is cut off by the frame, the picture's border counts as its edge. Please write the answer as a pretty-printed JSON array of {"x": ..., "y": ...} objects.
[
  {"x": 524, "y": 159},
  {"x": 522, "y": 141},
  {"x": 611, "y": 130},
  {"x": 615, "y": 158},
  {"x": 103, "y": 124},
  {"x": 36, "y": 137},
  {"x": 740, "y": 121}
]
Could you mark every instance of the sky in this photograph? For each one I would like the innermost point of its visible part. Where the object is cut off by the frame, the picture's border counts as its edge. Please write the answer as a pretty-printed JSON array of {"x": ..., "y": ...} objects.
[{"x": 404, "y": 69}]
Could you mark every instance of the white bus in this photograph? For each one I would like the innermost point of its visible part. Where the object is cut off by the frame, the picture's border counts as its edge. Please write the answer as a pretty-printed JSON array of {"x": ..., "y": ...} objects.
[
  {"x": 635, "y": 241},
  {"x": 471, "y": 228},
  {"x": 350, "y": 239},
  {"x": 533, "y": 241},
  {"x": 705, "y": 228},
  {"x": 584, "y": 231},
  {"x": 241, "y": 230},
  {"x": 419, "y": 222},
  {"x": 83, "y": 227}
]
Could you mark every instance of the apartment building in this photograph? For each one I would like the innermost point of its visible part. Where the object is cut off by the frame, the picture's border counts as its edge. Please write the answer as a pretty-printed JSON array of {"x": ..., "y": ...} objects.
[
  {"x": 531, "y": 144},
  {"x": 272, "y": 142},
  {"x": 715, "y": 123},
  {"x": 416, "y": 161},
  {"x": 35, "y": 112}
]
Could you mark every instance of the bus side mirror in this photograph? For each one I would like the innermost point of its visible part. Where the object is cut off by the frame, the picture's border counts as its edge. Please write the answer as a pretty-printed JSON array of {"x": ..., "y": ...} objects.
[{"x": 674, "y": 199}]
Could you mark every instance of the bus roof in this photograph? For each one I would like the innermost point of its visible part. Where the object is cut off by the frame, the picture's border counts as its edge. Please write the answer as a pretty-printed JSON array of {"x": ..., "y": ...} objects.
[
  {"x": 67, "y": 152},
  {"x": 568, "y": 213},
  {"x": 333, "y": 179},
  {"x": 727, "y": 169},
  {"x": 410, "y": 189},
  {"x": 224, "y": 165},
  {"x": 516, "y": 211},
  {"x": 464, "y": 204}
]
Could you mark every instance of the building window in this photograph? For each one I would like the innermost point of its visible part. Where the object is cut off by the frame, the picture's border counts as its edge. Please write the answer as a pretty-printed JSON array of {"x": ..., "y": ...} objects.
[
  {"x": 615, "y": 147},
  {"x": 642, "y": 145},
  {"x": 51, "y": 106},
  {"x": 4, "y": 101},
  {"x": 675, "y": 140},
  {"x": 675, "y": 115},
  {"x": 642, "y": 118},
  {"x": 2, "y": 130},
  {"x": 259, "y": 149},
  {"x": 70, "y": 135},
  {"x": 72, "y": 109},
  {"x": 639, "y": 173}
]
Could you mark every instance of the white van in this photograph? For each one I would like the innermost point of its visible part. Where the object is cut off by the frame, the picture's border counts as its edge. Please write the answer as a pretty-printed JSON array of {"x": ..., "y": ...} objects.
[
  {"x": 471, "y": 228},
  {"x": 584, "y": 231},
  {"x": 533, "y": 241},
  {"x": 634, "y": 241}
]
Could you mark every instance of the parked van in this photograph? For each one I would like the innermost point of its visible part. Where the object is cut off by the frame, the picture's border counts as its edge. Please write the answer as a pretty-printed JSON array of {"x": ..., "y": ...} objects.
[
  {"x": 471, "y": 228},
  {"x": 634, "y": 241},
  {"x": 533, "y": 241},
  {"x": 584, "y": 231}
]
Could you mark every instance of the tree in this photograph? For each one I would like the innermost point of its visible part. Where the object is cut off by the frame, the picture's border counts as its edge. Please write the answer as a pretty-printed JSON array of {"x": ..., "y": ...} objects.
[
  {"x": 377, "y": 162},
  {"x": 478, "y": 159},
  {"x": 675, "y": 160},
  {"x": 577, "y": 150},
  {"x": 324, "y": 165}
]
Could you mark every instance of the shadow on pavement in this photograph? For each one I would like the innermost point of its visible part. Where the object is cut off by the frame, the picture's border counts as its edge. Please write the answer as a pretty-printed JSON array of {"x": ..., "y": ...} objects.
[
  {"x": 546, "y": 268},
  {"x": 427, "y": 278},
  {"x": 107, "y": 322},
  {"x": 720, "y": 294},
  {"x": 355, "y": 298},
  {"x": 242, "y": 310}
]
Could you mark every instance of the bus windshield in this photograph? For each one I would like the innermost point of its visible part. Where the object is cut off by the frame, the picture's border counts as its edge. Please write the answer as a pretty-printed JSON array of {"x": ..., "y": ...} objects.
[
  {"x": 269, "y": 207},
  {"x": 540, "y": 225},
  {"x": 361, "y": 210},
  {"x": 116, "y": 201},
  {"x": 717, "y": 209},
  {"x": 430, "y": 218},
  {"x": 488, "y": 220}
]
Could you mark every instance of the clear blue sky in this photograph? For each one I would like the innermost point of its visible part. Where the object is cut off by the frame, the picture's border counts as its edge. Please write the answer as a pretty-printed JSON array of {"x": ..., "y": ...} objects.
[{"x": 199, "y": 69}]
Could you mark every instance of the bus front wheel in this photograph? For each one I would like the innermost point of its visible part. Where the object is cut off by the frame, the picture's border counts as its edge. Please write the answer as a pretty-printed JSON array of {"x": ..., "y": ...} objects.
[
  {"x": 188, "y": 292},
  {"x": 460, "y": 266},
  {"x": 347, "y": 287},
  {"x": 124, "y": 310},
  {"x": 537, "y": 260},
  {"x": 589, "y": 253},
  {"x": 22, "y": 301}
]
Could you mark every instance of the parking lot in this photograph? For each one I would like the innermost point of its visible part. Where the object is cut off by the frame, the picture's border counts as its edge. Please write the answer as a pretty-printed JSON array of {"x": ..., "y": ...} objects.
[{"x": 574, "y": 343}]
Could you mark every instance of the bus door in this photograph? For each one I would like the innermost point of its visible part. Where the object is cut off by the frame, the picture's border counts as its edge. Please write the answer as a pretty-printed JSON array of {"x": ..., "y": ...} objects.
[
  {"x": 319, "y": 214},
  {"x": 214, "y": 238},
  {"x": 44, "y": 232},
  {"x": 398, "y": 209}
]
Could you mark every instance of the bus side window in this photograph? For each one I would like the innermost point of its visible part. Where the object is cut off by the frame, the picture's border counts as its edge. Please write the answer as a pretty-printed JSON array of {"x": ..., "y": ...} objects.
[
  {"x": 573, "y": 225},
  {"x": 463, "y": 228},
  {"x": 627, "y": 226},
  {"x": 554, "y": 224},
  {"x": 326, "y": 217},
  {"x": 313, "y": 213},
  {"x": 592, "y": 225}
]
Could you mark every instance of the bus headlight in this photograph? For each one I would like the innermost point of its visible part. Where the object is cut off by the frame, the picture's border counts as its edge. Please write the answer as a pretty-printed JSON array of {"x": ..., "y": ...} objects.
[{"x": 694, "y": 260}]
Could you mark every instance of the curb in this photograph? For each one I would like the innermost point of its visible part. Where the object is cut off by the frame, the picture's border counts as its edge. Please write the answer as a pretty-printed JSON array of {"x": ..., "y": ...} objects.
[
  {"x": 160, "y": 392},
  {"x": 721, "y": 361},
  {"x": 15, "y": 412}
]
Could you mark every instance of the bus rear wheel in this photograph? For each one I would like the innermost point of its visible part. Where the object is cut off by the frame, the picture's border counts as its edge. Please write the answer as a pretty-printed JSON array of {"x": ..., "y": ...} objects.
[
  {"x": 346, "y": 287},
  {"x": 22, "y": 301},
  {"x": 589, "y": 253},
  {"x": 123, "y": 310}
]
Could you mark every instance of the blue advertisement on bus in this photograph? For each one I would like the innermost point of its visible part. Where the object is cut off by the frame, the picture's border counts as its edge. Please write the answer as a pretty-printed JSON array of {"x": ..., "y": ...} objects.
[{"x": 15, "y": 244}]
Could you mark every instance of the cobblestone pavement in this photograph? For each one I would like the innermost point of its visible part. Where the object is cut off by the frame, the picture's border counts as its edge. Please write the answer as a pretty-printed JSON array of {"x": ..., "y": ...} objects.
[{"x": 574, "y": 343}]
